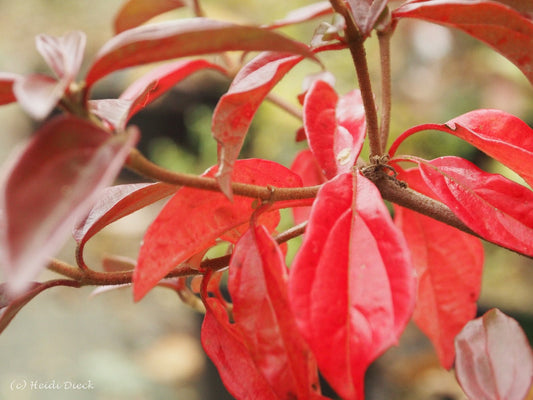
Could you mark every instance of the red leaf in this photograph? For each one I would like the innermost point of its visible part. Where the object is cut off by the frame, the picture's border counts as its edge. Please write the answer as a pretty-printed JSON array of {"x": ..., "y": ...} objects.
[
  {"x": 351, "y": 285},
  {"x": 303, "y": 14},
  {"x": 38, "y": 94},
  {"x": 257, "y": 284},
  {"x": 136, "y": 12},
  {"x": 236, "y": 109},
  {"x": 64, "y": 54},
  {"x": 335, "y": 127},
  {"x": 147, "y": 89},
  {"x": 116, "y": 202},
  {"x": 6, "y": 87},
  {"x": 53, "y": 183},
  {"x": 449, "y": 265},
  {"x": 504, "y": 29},
  {"x": 306, "y": 166},
  {"x": 224, "y": 345},
  {"x": 496, "y": 208},
  {"x": 181, "y": 38},
  {"x": 158, "y": 81},
  {"x": 502, "y": 136},
  {"x": 366, "y": 13},
  {"x": 194, "y": 218},
  {"x": 494, "y": 358}
]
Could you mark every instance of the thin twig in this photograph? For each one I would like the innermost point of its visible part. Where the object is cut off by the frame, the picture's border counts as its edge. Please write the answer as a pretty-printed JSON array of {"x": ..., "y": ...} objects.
[
  {"x": 138, "y": 163},
  {"x": 284, "y": 105},
  {"x": 384, "y": 52}
]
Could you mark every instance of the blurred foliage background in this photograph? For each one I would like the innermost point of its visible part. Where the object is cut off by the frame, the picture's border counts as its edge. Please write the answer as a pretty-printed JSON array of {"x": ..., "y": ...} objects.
[{"x": 150, "y": 350}]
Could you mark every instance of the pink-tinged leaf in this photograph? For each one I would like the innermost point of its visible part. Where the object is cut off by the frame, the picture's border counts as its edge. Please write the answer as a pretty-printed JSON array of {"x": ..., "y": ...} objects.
[
  {"x": 224, "y": 345},
  {"x": 449, "y": 265},
  {"x": 257, "y": 284},
  {"x": 494, "y": 358},
  {"x": 64, "y": 54},
  {"x": 136, "y": 12},
  {"x": 303, "y": 14},
  {"x": 157, "y": 82},
  {"x": 7, "y": 81},
  {"x": 352, "y": 283},
  {"x": 117, "y": 112},
  {"x": 236, "y": 109},
  {"x": 9, "y": 307},
  {"x": 501, "y": 27},
  {"x": 116, "y": 202},
  {"x": 193, "y": 219},
  {"x": 306, "y": 166},
  {"x": 500, "y": 135},
  {"x": 335, "y": 127},
  {"x": 491, "y": 205},
  {"x": 523, "y": 6},
  {"x": 53, "y": 183},
  {"x": 182, "y": 38},
  {"x": 38, "y": 94},
  {"x": 366, "y": 13}
]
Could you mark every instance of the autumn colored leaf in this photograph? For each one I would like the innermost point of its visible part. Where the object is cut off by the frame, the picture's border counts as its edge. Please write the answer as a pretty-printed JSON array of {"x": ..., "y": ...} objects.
[
  {"x": 366, "y": 13},
  {"x": 224, "y": 345},
  {"x": 257, "y": 283},
  {"x": 53, "y": 183},
  {"x": 335, "y": 127},
  {"x": 494, "y": 358},
  {"x": 136, "y": 12},
  {"x": 352, "y": 286},
  {"x": 303, "y": 14},
  {"x": 194, "y": 218},
  {"x": 500, "y": 135},
  {"x": 6, "y": 87},
  {"x": 501, "y": 27},
  {"x": 186, "y": 37},
  {"x": 147, "y": 89},
  {"x": 306, "y": 166},
  {"x": 491, "y": 205},
  {"x": 236, "y": 109},
  {"x": 449, "y": 265},
  {"x": 116, "y": 202}
]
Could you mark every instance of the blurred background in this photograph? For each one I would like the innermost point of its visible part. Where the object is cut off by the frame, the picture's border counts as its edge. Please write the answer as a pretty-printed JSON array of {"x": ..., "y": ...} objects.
[{"x": 151, "y": 349}]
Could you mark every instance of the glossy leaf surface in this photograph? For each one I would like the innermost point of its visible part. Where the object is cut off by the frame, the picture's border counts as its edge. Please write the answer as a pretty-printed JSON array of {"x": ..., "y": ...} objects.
[
  {"x": 147, "y": 89},
  {"x": 496, "y": 208},
  {"x": 352, "y": 284},
  {"x": 494, "y": 358},
  {"x": 136, "y": 12},
  {"x": 257, "y": 284},
  {"x": 53, "y": 183},
  {"x": 501, "y": 27},
  {"x": 116, "y": 202},
  {"x": 194, "y": 218},
  {"x": 335, "y": 127},
  {"x": 306, "y": 166},
  {"x": 449, "y": 265},
  {"x": 181, "y": 38},
  {"x": 236, "y": 109},
  {"x": 500, "y": 135}
]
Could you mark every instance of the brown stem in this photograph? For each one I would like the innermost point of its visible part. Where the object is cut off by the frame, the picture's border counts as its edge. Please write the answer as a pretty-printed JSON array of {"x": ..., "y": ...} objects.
[
  {"x": 355, "y": 42},
  {"x": 138, "y": 163},
  {"x": 281, "y": 103},
  {"x": 384, "y": 52}
]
